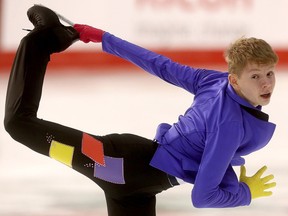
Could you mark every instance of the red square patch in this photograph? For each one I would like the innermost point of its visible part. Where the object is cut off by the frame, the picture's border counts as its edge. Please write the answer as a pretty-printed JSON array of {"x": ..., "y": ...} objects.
[{"x": 93, "y": 149}]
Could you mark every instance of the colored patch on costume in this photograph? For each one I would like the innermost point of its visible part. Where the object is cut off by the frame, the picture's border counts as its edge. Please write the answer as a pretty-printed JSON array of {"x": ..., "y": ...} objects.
[
  {"x": 61, "y": 152},
  {"x": 112, "y": 172},
  {"x": 93, "y": 149}
]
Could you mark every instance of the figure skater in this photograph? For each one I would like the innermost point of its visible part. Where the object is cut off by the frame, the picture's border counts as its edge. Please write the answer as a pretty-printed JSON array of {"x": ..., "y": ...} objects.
[{"x": 224, "y": 122}]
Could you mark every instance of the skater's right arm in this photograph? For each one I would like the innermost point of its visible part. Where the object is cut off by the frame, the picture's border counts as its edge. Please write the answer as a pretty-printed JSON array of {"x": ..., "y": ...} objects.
[{"x": 180, "y": 75}]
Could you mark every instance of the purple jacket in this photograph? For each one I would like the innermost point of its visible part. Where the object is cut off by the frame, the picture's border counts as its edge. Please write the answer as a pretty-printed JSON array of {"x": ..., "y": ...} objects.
[{"x": 215, "y": 131}]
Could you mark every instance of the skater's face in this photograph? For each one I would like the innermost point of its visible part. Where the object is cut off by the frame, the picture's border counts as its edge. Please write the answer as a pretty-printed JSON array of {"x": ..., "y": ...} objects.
[{"x": 255, "y": 83}]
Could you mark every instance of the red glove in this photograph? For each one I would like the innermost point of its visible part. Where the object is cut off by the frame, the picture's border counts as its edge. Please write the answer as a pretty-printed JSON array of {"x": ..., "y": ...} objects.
[{"x": 88, "y": 33}]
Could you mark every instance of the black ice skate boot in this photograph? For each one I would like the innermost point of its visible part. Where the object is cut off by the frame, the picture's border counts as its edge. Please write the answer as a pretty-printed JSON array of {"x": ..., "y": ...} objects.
[{"x": 46, "y": 20}]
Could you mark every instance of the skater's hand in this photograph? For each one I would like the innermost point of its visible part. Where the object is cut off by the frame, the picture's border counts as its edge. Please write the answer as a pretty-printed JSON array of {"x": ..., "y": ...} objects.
[
  {"x": 88, "y": 33},
  {"x": 256, "y": 184}
]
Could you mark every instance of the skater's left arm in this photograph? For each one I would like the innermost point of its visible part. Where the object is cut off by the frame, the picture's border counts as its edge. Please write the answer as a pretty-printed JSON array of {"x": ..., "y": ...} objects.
[{"x": 216, "y": 184}]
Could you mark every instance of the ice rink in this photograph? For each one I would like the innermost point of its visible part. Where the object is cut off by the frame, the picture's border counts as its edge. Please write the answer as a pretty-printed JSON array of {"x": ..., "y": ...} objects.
[{"x": 121, "y": 101}]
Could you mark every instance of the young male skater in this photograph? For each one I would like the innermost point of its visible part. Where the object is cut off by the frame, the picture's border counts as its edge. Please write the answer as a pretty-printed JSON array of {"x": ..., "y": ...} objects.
[{"x": 224, "y": 122}]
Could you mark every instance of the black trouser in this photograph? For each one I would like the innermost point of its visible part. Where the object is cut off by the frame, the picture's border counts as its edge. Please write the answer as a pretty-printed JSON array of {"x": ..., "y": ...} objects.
[{"x": 118, "y": 163}]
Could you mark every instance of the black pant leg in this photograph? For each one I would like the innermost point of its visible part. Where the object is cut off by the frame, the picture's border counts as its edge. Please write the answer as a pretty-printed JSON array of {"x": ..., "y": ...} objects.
[
  {"x": 141, "y": 181},
  {"x": 131, "y": 206},
  {"x": 63, "y": 143},
  {"x": 22, "y": 102}
]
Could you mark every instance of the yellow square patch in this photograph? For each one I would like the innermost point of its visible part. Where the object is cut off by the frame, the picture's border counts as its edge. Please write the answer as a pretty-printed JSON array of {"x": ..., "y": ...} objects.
[{"x": 61, "y": 152}]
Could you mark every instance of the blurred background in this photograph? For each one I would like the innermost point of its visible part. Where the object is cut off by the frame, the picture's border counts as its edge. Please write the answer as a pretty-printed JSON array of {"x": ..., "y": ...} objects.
[{"x": 98, "y": 93}]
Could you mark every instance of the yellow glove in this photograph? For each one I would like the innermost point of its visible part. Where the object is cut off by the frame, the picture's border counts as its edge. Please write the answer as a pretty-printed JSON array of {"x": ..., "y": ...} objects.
[{"x": 256, "y": 184}]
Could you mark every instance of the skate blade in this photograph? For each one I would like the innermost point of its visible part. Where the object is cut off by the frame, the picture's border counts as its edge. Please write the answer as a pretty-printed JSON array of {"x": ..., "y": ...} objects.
[{"x": 61, "y": 17}]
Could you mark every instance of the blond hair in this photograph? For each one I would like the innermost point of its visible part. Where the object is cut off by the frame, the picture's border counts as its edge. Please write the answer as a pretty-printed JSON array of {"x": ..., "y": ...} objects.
[{"x": 248, "y": 50}]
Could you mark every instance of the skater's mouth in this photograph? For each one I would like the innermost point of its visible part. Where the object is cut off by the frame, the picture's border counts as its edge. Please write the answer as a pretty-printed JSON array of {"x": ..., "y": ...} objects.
[{"x": 266, "y": 96}]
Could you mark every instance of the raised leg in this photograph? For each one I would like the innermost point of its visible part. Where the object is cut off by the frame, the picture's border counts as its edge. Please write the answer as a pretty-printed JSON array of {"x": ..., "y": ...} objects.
[{"x": 119, "y": 164}]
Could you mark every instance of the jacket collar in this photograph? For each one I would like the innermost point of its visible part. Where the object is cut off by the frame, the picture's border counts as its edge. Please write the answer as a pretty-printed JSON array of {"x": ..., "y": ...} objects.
[{"x": 255, "y": 111}]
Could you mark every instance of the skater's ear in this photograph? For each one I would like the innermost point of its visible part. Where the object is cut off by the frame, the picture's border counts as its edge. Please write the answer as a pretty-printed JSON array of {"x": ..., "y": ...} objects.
[{"x": 233, "y": 80}]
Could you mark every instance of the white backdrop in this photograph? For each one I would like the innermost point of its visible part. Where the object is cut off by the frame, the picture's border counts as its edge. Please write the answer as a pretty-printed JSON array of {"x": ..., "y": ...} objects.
[{"x": 162, "y": 23}]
